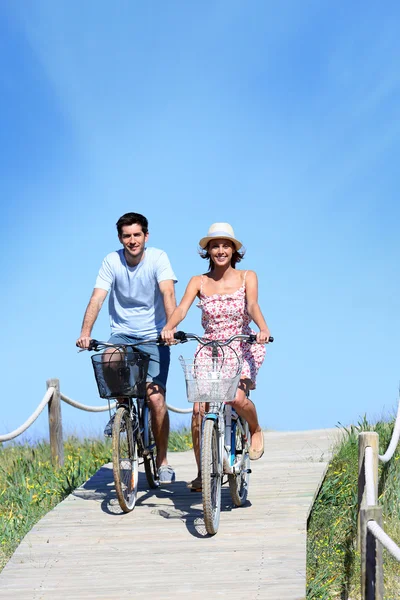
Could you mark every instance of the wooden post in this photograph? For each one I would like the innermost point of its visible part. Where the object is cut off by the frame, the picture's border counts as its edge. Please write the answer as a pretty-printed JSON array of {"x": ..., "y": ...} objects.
[
  {"x": 371, "y": 556},
  {"x": 366, "y": 438},
  {"x": 55, "y": 424}
]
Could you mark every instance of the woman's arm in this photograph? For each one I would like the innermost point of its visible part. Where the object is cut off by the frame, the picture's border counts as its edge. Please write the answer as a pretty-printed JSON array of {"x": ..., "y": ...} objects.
[
  {"x": 181, "y": 310},
  {"x": 253, "y": 307}
]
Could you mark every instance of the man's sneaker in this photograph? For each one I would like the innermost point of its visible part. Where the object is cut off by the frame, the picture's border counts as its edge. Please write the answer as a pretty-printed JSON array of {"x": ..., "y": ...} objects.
[
  {"x": 109, "y": 427},
  {"x": 166, "y": 474}
]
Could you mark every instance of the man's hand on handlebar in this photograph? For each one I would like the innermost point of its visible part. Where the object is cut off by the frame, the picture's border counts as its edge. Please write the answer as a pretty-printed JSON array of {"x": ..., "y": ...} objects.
[{"x": 83, "y": 342}]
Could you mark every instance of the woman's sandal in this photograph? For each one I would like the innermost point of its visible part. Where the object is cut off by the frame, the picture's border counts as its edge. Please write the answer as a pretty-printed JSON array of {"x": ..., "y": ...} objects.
[
  {"x": 256, "y": 454},
  {"x": 195, "y": 485}
]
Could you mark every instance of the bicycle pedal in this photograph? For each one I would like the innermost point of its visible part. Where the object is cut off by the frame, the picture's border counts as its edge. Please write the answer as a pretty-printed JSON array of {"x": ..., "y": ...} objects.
[{"x": 248, "y": 471}]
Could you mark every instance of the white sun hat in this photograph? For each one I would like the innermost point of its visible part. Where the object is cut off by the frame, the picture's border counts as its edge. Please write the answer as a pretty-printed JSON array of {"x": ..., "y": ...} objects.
[{"x": 222, "y": 231}]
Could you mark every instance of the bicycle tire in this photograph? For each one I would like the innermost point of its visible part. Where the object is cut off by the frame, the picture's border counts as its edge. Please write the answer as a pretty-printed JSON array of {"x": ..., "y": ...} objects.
[
  {"x": 211, "y": 473},
  {"x": 149, "y": 455},
  {"x": 239, "y": 482},
  {"x": 125, "y": 460}
]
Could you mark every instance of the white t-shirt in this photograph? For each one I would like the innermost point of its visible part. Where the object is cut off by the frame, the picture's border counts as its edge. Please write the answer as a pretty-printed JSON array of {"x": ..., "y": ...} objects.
[{"x": 135, "y": 302}]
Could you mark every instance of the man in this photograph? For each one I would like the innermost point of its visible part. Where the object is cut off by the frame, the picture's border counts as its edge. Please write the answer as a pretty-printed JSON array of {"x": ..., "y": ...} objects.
[{"x": 142, "y": 298}]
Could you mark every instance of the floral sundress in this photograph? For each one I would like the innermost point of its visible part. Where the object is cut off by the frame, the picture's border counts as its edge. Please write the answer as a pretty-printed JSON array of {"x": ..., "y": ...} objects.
[{"x": 224, "y": 315}]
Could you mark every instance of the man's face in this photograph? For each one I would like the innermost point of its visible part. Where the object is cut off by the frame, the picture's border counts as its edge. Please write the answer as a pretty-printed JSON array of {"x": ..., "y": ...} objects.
[{"x": 133, "y": 240}]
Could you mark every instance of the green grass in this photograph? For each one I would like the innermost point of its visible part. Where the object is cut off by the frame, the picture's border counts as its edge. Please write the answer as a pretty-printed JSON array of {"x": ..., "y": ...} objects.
[
  {"x": 30, "y": 486},
  {"x": 333, "y": 560}
]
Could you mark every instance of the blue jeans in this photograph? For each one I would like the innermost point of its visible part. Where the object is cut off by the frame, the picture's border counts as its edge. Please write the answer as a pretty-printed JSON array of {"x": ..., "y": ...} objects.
[{"x": 159, "y": 357}]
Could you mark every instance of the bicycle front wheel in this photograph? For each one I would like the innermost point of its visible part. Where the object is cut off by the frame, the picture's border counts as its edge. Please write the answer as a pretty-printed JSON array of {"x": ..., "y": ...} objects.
[
  {"x": 125, "y": 460},
  {"x": 211, "y": 474},
  {"x": 239, "y": 482},
  {"x": 150, "y": 451}
]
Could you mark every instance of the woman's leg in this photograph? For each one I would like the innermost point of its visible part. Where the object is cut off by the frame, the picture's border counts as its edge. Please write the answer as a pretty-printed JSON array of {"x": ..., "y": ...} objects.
[
  {"x": 246, "y": 409},
  {"x": 197, "y": 418}
]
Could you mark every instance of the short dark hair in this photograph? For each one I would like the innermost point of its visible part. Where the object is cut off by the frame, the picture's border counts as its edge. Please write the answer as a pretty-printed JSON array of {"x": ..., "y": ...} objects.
[
  {"x": 132, "y": 219},
  {"x": 236, "y": 257}
]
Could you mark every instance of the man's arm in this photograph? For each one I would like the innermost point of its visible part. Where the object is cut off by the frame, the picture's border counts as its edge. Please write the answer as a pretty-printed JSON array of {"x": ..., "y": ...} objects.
[
  {"x": 91, "y": 314},
  {"x": 167, "y": 290}
]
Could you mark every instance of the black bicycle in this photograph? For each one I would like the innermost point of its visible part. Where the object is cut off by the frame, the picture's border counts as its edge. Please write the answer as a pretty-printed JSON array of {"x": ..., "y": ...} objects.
[{"x": 121, "y": 372}]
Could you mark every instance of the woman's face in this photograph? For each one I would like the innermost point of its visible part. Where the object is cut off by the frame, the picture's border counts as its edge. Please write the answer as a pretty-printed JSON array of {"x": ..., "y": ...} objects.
[{"x": 221, "y": 252}]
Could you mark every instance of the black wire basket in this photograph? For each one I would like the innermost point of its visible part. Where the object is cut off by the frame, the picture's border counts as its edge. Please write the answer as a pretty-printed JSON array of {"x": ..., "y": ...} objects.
[{"x": 118, "y": 375}]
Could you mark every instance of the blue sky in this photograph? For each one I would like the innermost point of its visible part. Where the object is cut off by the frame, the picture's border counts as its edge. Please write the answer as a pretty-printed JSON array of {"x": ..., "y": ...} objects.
[{"x": 282, "y": 119}]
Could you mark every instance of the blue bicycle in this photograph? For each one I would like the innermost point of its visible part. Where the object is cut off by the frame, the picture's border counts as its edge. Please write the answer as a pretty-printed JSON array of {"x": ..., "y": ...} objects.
[{"x": 212, "y": 377}]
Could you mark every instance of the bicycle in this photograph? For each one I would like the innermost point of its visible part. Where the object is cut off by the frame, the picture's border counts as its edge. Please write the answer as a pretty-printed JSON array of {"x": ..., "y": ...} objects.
[
  {"x": 121, "y": 373},
  {"x": 225, "y": 437}
]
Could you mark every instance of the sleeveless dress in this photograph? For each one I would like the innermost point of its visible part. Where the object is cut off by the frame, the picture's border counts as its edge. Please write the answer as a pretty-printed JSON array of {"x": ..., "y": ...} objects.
[{"x": 224, "y": 315}]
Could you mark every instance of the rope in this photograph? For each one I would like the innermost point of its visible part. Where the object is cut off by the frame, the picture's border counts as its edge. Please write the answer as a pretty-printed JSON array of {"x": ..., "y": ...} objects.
[
  {"x": 6, "y": 437},
  {"x": 369, "y": 476},
  {"x": 104, "y": 408},
  {"x": 76, "y": 404},
  {"x": 394, "y": 441},
  {"x": 181, "y": 411},
  {"x": 13, "y": 434},
  {"x": 384, "y": 539}
]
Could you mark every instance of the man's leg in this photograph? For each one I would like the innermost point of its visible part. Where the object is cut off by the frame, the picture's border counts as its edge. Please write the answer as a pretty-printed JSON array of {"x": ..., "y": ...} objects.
[
  {"x": 159, "y": 420},
  {"x": 156, "y": 385}
]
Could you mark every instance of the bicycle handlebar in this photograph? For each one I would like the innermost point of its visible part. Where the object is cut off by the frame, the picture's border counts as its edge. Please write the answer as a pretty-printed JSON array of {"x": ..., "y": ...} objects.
[
  {"x": 179, "y": 336},
  {"x": 251, "y": 338},
  {"x": 98, "y": 345}
]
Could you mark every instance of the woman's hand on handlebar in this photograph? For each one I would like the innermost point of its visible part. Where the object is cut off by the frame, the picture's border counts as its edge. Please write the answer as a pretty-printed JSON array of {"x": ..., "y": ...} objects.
[
  {"x": 263, "y": 336},
  {"x": 83, "y": 342},
  {"x": 167, "y": 335}
]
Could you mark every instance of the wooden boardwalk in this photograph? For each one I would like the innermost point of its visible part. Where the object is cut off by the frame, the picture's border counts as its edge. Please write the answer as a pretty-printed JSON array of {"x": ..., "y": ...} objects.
[{"x": 87, "y": 549}]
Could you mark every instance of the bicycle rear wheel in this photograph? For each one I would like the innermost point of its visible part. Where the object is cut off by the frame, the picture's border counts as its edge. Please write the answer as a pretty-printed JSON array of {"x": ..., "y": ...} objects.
[
  {"x": 211, "y": 473},
  {"x": 150, "y": 451},
  {"x": 239, "y": 482},
  {"x": 125, "y": 460}
]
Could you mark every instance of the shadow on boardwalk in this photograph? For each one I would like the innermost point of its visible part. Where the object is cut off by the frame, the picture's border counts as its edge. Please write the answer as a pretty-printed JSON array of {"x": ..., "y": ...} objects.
[{"x": 184, "y": 507}]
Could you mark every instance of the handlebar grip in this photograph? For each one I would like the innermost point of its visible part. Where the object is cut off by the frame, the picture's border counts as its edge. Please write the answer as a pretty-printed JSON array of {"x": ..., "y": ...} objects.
[
  {"x": 253, "y": 338},
  {"x": 93, "y": 345},
  {"x": 180, "y": 336}
]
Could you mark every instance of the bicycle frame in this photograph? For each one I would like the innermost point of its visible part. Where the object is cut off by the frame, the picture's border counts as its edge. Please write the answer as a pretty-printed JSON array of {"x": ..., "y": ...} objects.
[{"x": 227, "y": 420}]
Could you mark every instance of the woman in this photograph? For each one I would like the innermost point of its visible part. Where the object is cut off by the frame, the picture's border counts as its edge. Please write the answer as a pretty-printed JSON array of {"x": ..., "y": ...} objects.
[{"x": 229, "y": 302}]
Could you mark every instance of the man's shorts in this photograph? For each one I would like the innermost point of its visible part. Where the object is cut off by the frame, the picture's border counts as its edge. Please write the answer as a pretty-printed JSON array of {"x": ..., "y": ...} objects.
[{"x": 159, "y": 357}]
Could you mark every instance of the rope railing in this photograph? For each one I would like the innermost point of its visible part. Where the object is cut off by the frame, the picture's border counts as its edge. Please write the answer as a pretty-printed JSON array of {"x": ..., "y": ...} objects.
[
  {"x": 86, "y": 407},
  {"x": 6, "y": 437},
  {"x": 384, "y": 539},
  {"x": 394, "y": 440},
  {"x": 372, "y": 536},
  {"x": 103, "y": 408},
  {"x": 52, "y": 399}
]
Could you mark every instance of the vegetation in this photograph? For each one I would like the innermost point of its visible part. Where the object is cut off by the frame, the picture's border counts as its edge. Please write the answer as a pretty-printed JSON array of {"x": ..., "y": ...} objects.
[
  {"x": 333, "y": 560},
  {"x": 30, "y": 486}
]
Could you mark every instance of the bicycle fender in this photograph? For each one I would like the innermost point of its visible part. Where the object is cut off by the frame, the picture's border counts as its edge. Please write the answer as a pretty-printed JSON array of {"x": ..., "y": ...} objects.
[{"x": 211, "y": 417}]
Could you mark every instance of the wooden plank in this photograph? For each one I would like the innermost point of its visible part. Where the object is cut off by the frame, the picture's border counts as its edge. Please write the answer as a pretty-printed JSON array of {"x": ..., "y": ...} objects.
[{"x": 87, "y": 548}]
